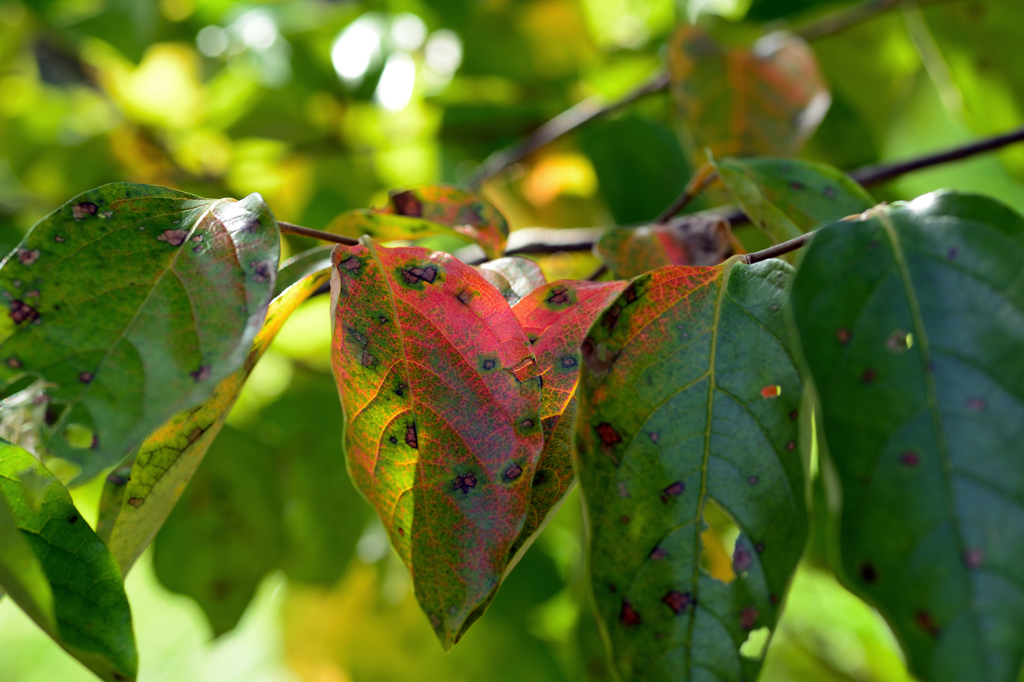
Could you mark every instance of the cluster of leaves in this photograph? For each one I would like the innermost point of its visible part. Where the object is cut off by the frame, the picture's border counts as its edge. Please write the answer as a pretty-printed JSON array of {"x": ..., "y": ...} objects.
[{"x": 683, "y": 396}]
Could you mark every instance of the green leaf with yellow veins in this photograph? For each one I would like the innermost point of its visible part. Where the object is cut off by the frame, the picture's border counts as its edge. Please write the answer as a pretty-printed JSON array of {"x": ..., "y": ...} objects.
[
  {"x": 82, "y": 604},
  {"x": 140, "y": 501},
  {"x": 513, "y": 276},
  {"x": 132, "y": 302},
  {"x": 443, "y": 434},
  {"x": 787, "y": 197},
  {"x": 764, "y": 99},
  {"x": 555, "y": 318},
  {"x": 688, "y": 405},
  {"x": 911, "y": 320}
]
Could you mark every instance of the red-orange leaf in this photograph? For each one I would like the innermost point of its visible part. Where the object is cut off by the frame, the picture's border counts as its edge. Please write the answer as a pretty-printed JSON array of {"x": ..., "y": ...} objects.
[
  {"x": 766, "y": 99},
  {"x": 693, "y": 240},
  {"x": 556, "y": 317},
  {"x": 462, "y": 210},
  {"x": 440, "y": 391}
]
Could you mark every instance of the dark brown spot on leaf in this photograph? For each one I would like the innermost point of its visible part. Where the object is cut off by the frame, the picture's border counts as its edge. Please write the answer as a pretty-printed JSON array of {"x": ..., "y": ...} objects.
[
  {"x": 607, "y": 433},
  {"x": 674, "y": 490},
  {"x": 489, "y": 364},
  {"x": 406, "y": 203},
  {"x": 628, "y": 616},
  {"x": 791, "y": 445},
  {"x": 559, "y": 296},
  {"x": 926, "y": 622},
  {"x": 464, "y": 483},
  {"x": 22, "y": 312},
  {"x": 393, "y": 440},
  {"x": 13, "y": 362},
  {"x": 654, "y": 436},
  {"x": 201, "y": 374},
  {"x": 414, "y": 275},
  {"x": 410, "y": 436},
  {"x": 79, "y": 211},
  {"x": 869, "y": 376},
  {"x": 136, "y": 502},
  {"x": 677, "y": 601},
  {"x": 974, "y": 558},
  {"x": 72, "y": 518},
  {"x": 86, "y": 377},
  {"x": 630, "y": 294},
  {"x": 463, "y": 297},
  {"x": 367, "y": 360},
  {"x": 911, "y": 459},
  {"x": 526, "y": 423},
  {"x": 623, "y": 519},
  {"x": 793, "y": 415},
  {"x": 844, "y": 335},
  {"x": 27, "y": 257},
  {"x": 752, "y": 480},
  {"x": 759, "y": 547},
  {"x": 868, "y": 573},
  {"x": 59, "y": 239},
  {"x": 748, "y": 618},
  {"x": 350, "y": 264},
  {"x": 569, "y": 361},
  {"x": 794, "y": 185},
  {"x": 657, "y": 554},
  {"x": 261, "y": 272},
  {"x": 513, "y": 471},
  {"x": 611, "y": 318},
  {"x": 612, "y": 588},
  {"x": 401, "y": 531},
  {"x": 741, "y": 559},
  {"x": 173, "y": 237}
]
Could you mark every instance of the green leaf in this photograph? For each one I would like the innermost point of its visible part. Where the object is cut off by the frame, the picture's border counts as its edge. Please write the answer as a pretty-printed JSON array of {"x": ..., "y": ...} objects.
[
  {"x": 513, "y": 276},
  {"x": 80, "y": 602},
  {"x": 168, "y": 459},
  {"x": 441, "y": 396},
  {"x": 696, "y": 239},
  {"x": 911, "y": 323},
  {"x": 688, "y": 404},
  {"x": 301, "y": 266},
  {"x": 426, "y": 211},
  {"x": 555, "y": 318},
  {"x": 132, "y": 302},
  {"x": 787, "y": 197},
  {"x": 763, "y": 100}
]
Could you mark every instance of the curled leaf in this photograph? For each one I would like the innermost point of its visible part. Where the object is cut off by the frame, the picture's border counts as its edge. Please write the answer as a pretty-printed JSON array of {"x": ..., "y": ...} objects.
[{"x": 513, "y": 276}]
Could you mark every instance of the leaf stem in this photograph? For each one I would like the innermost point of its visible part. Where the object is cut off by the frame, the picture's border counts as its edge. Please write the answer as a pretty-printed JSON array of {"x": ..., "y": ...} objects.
[
  {"x": 778, "y": 249},
  {"x": 288, "y": 228}
]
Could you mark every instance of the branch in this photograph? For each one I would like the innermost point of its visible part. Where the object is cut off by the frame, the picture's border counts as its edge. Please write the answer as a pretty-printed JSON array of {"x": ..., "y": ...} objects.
[
  {"x": 844, "y": 19},
  {"x": 778, "y": 249},
  {"x": 288, "y": 228}
]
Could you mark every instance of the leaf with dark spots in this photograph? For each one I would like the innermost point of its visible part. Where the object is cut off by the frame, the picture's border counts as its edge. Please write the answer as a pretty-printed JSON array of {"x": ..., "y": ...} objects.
[
  {"x": 765, "y": 99},
  {"x": 557, "y": 333},
  {"x": 118, "y": 300},
  {"x": 670, "y": 427},
  {"x": 927, "y": 453},
  {"x": 513, "y": 276},
  {"x": 426, "y": 212},
  {"x": 59, "y": 571},
  {"x": 768, "y": 192},
  {"x": 696, "y": 239},
  {"x": 138, "y": 502},
  {"x": 458, "y": 422}
]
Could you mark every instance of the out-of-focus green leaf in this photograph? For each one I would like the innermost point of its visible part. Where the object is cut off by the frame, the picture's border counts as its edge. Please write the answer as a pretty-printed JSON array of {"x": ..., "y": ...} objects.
[
  {"x": 513, "y": 277},
  {"x": 770, "y": 10},
  {"x": 168, "y": 459},
  {"x": 555, "y": 318},
  {"x": 688, "y": 403},
  {"x": 911, "y": 325},
  {"x": 696, "y": 239},
  {"x": 132, "y": 302},
  {"x": 427, "y": 211},
  {"x": 443, "y": 435},
  {"x": 787, "y": 197},
  {"x": 762, "y": 100},
  {"x": 81, "y": 604},
  {"x": 302, "y": 265}
]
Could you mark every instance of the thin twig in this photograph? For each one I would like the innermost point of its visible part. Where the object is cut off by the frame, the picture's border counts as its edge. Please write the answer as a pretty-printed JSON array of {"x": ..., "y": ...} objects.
[
  {"x": 778, "y": 249},
  {"x": 568, "y": 120},
  {"x": 288, "y": 228},
  {"x": 601, "y": 269},
  {"x": 844, "y": 19},
  {"x": 704, "y": 176}
]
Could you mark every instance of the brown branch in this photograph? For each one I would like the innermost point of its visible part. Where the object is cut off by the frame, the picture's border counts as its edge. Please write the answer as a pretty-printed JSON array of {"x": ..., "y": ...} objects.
[
  {"x": 704, "y": 176},
  {"x": 288, "y": 228},
  {"x": 845, "y": 18},
  {"x": 778, "y": 249}
]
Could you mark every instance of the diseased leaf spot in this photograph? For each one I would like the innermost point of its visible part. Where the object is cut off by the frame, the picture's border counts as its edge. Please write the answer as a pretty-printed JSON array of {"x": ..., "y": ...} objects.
[
  {"x": 910, "y": 458},
  {"x": 400, "y": 389},
  {"x": 393, "y": 440},
  {"x": 899, "y": 341},
  {"x": 86, "y": 377},
  {"x": 791, "y": 445},
  {"x": 367, "y": 360},
  {"x": 488, "y": 364},
  {"x": 58, "y": 239},
  {"x": 261, "y": 272},
  {"x": 769, "y": 392},
  {"x": 569, "y": 362},
  {"x": 796, "y": 186},
  {"x": 540, "y": 478},
  {"x": 79, "y": 211},
  {"x": 974, "y": 558},
  {"x": 608, "y": 435},
  {"x": 869, "y": 376},
  {"x": 674, "y": 490},
  {"x": 868, "y": 573},
  {"x": 654, "y": 436},
  {"x": 844, "y": 335},
  {"x": 416, "y": 275},
  {"x": 464, "y": 483},
  {"x": 623, "y": 490},
  {"x": 623, "y": 519},
  {"x": 513, "y": 471},
  {"x": 13, "y": 362},
  {"x": 759, "y": 547},
  {"x": 926, "y": 622},
  {"x": 201, "y": 374},
  {"x": 350, "y": 264},
  {"x": 629, "y": 616},
  {"x": 752, "y": 480},
  {"x": 773, "y": 598},
  {"x": 677, "y": 601},
  {"x": 612, "y": 588},
  {"x": 22, "y": 312},
  {"x": 135, "y": 501},
  {"x": 658, "y": 554},
  {"x": 793, "y": 415},
  {"x": 630, "y": 294},
  {"x": 72, "y": 518},
  {"x": 410, "y": 436},
  {"x": 173, "y": 237},
  {"x": 977, "y": 404},
  {"x": 26, "y": 257},
  {"x": 748, "y": 618},
  {"x": 401, "y": 532},
  {"x": 741, "y": 559},
  {"x": 611, "y": 318},
  {"x": 526, "y": 423},
  {"x": 559, "y": 296},
  {"x": 406, "y": 203},
  {"x": 464, "y": 297}
]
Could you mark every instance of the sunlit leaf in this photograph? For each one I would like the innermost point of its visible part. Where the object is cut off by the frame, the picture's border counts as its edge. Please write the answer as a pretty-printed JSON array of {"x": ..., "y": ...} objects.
[
  {"x": 132, "y": 302},
  {"x": 427, "y": 211},
  {"x": 691, "y": 240},
  {"x": 555, "y": 318},
  {"x": 688, "y": 402},
  {"x": 441, "y": 396},
  {"x": 787, "y": 197},
  {"x": 81, "y": 604},
  {"x": 763, "y": 100},
  {"x": 513, "y": 276},
  {"x": 168, "y": 458},
  {"x": 911, "y": 323}
]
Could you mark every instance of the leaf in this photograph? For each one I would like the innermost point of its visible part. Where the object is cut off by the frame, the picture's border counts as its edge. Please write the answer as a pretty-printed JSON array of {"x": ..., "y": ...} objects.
[
  {"x": 80, "y": 603},
  {"x": 441, "y": 397},
  {"x": 787, "y": 197},
  {"x": 555, "y": 318},
  {"x": 696, "y": 239},
  {"x": 911, "y": 323},
  {"x": 226, "y": 533},
  {"x": 169, "y": 457},
  {"x": 513, "y": 276},
  {"x": 302, "y": 265},
  {"x": 763, "y": 100},
  {"x": 687, "y": 404},
  {"x": 132, "y": 302},
  {"x": 427, "y": 211}
]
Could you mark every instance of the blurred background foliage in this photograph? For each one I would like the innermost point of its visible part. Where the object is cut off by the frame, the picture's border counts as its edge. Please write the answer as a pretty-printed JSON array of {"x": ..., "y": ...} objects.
[{"x": 322, "y": 107}]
